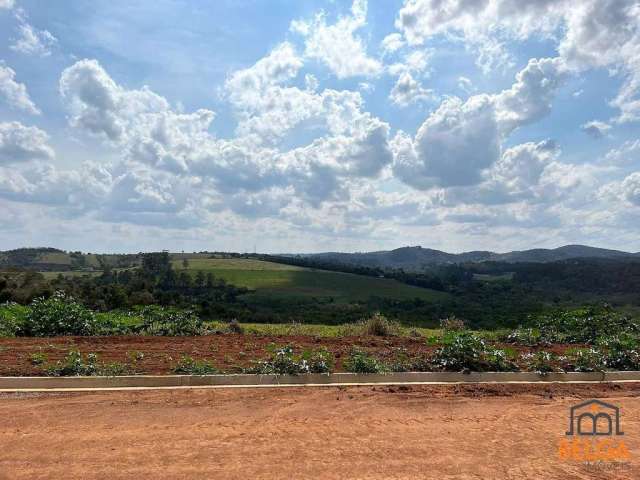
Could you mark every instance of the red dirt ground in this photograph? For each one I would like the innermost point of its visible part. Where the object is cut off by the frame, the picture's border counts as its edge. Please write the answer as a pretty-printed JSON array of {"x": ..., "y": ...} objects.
[
  {"x": 227, "y": 352},
  {"x": 404, "y": 432}
]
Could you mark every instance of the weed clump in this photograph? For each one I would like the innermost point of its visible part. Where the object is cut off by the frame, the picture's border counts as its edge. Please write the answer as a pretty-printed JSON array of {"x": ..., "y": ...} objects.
[
  {"x": 235, "y": 327},
  {"x": 188, "y": 366},
  {"x": 620, "y": 352},
  {"x": 362, "y": 362},
  {"x": 376, "y": 325},
  {"x": 168, "y": 322},
  {"x": 77, "y": 364},
  {"x": 452, "y": 324},
  {"x": 284, "y": 361},
  {"x": 586, "y": 360},
  {"x": 542, "y": 362},
  {"x": 12, "y": 319},
  {"x": 464, "y": 351}
]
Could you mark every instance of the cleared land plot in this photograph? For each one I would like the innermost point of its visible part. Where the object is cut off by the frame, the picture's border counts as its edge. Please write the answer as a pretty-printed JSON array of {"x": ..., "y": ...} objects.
[
  {"x": 274, "y": 279},
  {"x": 409, "y": 432}
]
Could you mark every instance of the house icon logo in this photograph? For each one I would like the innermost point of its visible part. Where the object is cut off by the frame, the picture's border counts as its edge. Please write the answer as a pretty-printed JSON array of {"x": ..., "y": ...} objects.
[
  {"x": 594, "y": 418},
  {"x": 594, "y": 436}
]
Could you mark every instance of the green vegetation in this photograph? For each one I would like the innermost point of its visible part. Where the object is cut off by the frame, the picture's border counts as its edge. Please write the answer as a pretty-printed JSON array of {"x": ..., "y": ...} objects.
[
  {"x": 362, "y": 362},
  {"x": 59, "y": 315},
  {"x": 276, "y": 279},
  {"x": 542, "y": 362},
  {"x": 77, "y": 364},
  {"x": 464, "y": 350},
  {"x": 284, "y": 361},
  {"x": 12, "y": 317},
  {"x": 189, "y": 366},
  {"x": 376, "y": 325},
  {"x": 160, "y": 321}
]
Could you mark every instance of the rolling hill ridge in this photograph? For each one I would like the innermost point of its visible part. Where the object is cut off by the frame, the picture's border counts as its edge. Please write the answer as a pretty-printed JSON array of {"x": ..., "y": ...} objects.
[{"x": 415, "y": 258}]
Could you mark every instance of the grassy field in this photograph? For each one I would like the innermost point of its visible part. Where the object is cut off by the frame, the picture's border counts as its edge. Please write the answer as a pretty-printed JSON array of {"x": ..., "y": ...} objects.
[{"x": 274, "y": 279}]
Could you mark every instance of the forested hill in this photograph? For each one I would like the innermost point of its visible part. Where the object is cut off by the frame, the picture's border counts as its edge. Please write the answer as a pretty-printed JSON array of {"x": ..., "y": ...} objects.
[
  {"x": 418, "y": 258},
  {"x": 52, "y": 259}
]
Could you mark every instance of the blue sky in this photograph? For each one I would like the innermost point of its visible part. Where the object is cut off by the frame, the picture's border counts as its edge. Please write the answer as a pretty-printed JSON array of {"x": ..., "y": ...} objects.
[{"x": 319, "y": 125}]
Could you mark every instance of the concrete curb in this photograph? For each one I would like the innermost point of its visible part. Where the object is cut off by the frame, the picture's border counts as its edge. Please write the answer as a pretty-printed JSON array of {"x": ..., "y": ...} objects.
[{"x": 181, "y": 381}]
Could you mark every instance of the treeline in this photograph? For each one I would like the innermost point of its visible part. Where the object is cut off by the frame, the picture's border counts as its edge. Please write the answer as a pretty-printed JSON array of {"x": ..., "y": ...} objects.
[
  {"x": 155, "y": 282},
  {"x": 442, "y": 278}
]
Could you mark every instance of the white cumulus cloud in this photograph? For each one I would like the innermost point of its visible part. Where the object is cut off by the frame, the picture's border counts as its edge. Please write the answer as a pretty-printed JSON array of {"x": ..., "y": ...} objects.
[
  {"x": 337, "y": 45},
  {"x": 15, "y": 93},
  {"x": 19, "y": 143}
]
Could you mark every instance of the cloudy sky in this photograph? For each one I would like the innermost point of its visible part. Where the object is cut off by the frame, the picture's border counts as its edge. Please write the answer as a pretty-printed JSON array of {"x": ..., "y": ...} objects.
[{"x": 294, "y": 126}]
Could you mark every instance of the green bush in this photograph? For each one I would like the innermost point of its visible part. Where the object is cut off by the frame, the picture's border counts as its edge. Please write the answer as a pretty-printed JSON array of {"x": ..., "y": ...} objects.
[
  {"x": 116, "y": 323},
  {"x": 376, "y": 325},
  {"x": 167, "y": 322},
  {"x": 620, "y": 352},
  {"x": 59, "y": 315},
  {"x": 189, "y": 366},
  {"x": 284, "y": 361},
  {"x": 586, "y": 359},
  {"x": 318, "y": 361},
  {"x": 361, "y": 362},
  {"x": 75, "y": 364},
  {"x": 584, "y": 325},
  {"x": 465, "y": 351},
  {"x": 525, "y": 336},
  {"x": 402, "y": 362},
  {"x": 12, "y": 319},
  {"x": 542, "y": 362}
]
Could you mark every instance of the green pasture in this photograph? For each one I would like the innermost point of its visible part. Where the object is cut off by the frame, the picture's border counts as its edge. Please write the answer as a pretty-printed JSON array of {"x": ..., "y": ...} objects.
[{"x": 279, "y": 280}]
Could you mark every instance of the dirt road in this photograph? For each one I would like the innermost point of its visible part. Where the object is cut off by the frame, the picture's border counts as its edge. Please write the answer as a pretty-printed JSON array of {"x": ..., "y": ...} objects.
[{"x": 417, "y": 432}]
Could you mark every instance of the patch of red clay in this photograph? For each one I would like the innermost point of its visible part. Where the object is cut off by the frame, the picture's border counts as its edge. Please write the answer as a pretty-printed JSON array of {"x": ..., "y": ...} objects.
[{"x": 404, "y": 432}]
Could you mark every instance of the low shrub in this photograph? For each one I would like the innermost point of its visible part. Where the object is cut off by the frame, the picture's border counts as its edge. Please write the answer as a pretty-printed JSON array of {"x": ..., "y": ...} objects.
[
  {"x": 361, "y": 362},
  {"x": 542, "y": 362},
  {"x": 234, "y": 327},
  {"x": 12, "y": 319},
  {"x": 162, "y": 321},
  {"x": 60, "y": 314},
  {"x": 586, "y": 360},
  {"x": 620, "y": 352},
  {"x": 376, "y": 325},
  {"x": 116, "y": 323},
  {"x": 466, "y": 351},
  {"x": 452, "y": 324},
  {"x": 403, "y": 362},
  {"x": 77, "y": 364},
  {"x": 525, "y": 336},
  {"x": 319, "y": 360},
  {"x": 584, "y": 325},
  {"x": 188, "y": 366},
  {"x": 38, "y": 358},
  {"x": 284, "y": 361}
]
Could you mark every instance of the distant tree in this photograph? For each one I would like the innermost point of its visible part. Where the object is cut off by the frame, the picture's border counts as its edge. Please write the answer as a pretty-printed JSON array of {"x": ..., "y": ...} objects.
[
  {"x": 185, "y": 263},
  {"x": 200, "y": 279}
]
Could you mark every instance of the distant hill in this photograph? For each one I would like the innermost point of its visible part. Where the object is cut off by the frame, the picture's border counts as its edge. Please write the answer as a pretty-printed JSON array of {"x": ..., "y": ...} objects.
[
  {"x": 54, "y": 260},
  {"x": 417, "y": 258},
  {"x": 407, "y": 258}
]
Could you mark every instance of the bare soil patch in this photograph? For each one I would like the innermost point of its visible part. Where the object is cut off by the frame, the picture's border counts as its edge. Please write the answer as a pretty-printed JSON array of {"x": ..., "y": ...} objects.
[
  {"x": 404, "y": 432},
  {"x": 227, "y": 352}
]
